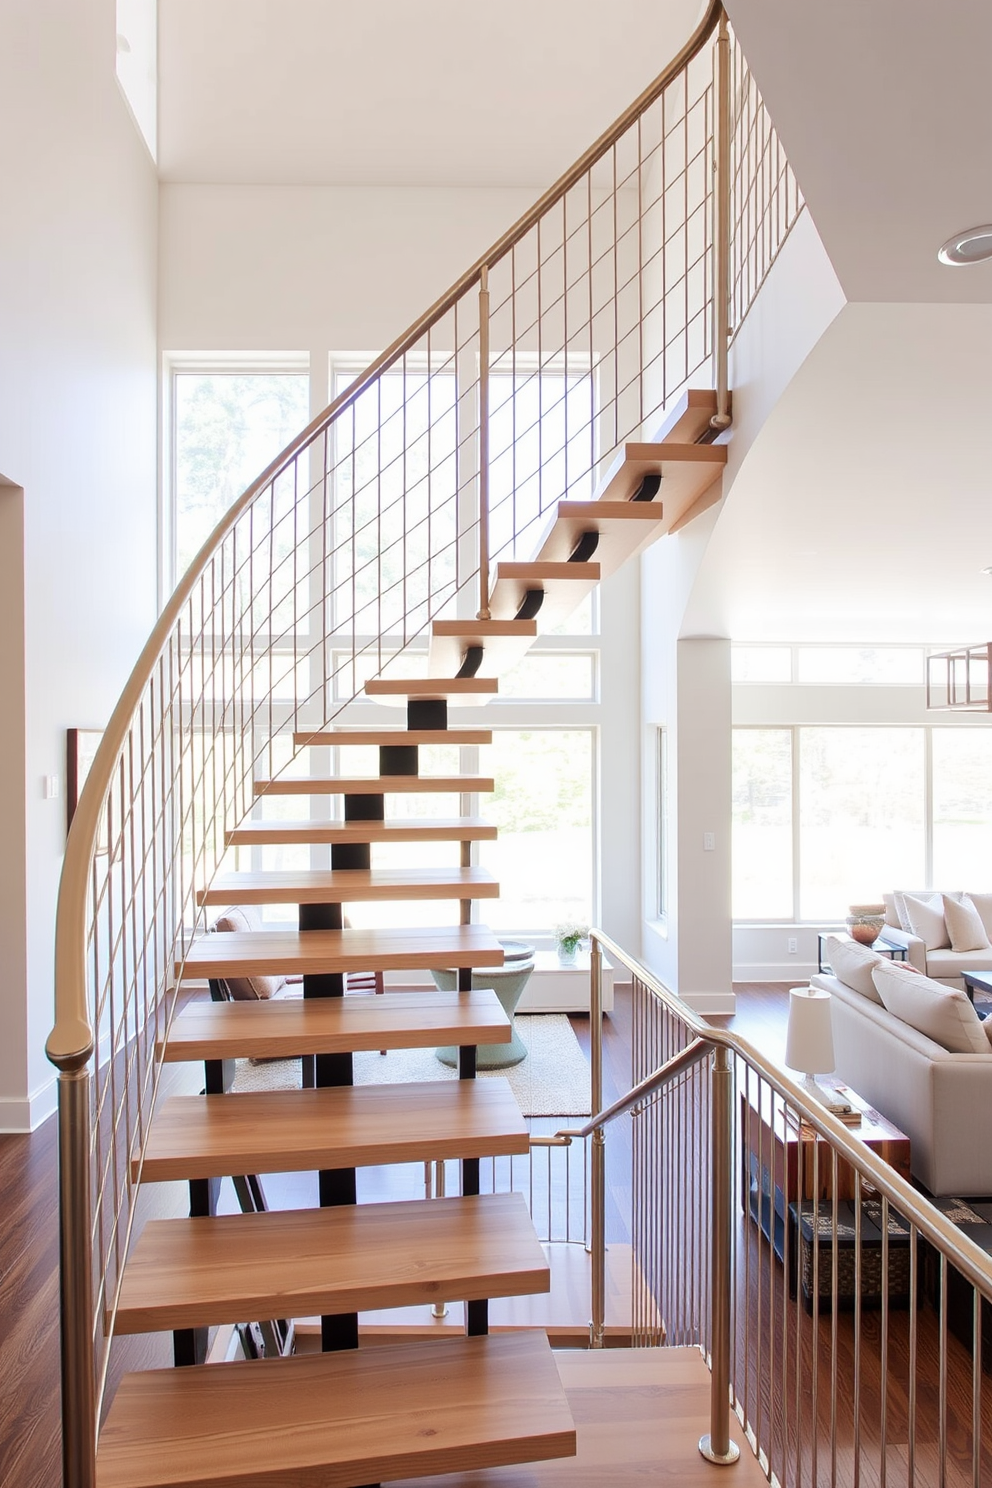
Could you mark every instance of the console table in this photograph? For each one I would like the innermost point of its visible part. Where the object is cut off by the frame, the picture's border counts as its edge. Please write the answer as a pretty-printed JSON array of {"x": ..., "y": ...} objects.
[{"x": 881, "y": 947}]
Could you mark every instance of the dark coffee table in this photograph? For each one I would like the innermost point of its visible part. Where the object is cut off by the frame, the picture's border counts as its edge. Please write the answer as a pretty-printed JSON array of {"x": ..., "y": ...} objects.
[{"x": 977, "y": 981}]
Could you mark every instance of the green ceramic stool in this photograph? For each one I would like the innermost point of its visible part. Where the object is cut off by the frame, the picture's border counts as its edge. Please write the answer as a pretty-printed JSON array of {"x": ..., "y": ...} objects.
[{"x": 508, "y": 982}]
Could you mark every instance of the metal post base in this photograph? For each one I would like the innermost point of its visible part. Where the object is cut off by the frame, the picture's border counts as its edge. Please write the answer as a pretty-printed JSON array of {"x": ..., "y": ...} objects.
[{"x": 721, "y": 1459}]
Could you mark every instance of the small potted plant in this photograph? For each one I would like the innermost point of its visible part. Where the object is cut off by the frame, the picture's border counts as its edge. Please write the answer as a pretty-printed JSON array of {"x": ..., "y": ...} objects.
[{"x": 568, "y": 937}]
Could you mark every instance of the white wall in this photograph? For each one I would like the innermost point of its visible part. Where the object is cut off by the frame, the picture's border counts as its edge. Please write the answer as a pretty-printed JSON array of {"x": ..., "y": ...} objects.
[
  {"x": 315, "y": 268},
  {"x": 77, "y": 433},
  {"x": 685, "y": 678}
]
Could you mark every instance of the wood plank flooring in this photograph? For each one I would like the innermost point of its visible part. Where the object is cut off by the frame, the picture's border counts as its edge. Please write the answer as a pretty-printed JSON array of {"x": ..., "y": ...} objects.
[{"x": 29, "y": 1432}]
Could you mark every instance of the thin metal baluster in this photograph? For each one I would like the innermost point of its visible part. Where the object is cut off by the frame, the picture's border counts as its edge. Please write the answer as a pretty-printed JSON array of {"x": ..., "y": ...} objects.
[
  {"x": 942, "y": 1385},
  {"x": 815, "y": 1318},
  {"x": 884, "y": 1404},
  {"x": 858, "y": 1259},
  {"x": 976, "y": 1389},
  {"x": 834, "y": 1313}
]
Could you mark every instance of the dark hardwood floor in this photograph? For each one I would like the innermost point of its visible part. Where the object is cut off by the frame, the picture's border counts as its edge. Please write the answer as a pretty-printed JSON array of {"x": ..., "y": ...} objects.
[{"x": 29, "y": 1369}]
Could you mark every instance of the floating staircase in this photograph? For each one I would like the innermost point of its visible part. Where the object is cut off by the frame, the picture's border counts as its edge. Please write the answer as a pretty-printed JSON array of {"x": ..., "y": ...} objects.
[{"x": 351, "y": 1415}]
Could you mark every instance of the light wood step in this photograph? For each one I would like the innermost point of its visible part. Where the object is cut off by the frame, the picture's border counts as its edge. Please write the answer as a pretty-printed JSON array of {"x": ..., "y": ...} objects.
[
  {"x": 639, "y": 1414},
  {"x": 339, "y": 1419},
  {"x": 347, "y": 1126},
  {"x": 373, "y": 785},
  {"x": 503, "y": 643},
  {"x": 284, "y": 1027},
  {"x": 366, "y": 737},
  {"x": 462, "y": 692},
  {"x": 248, "y": 953},
  {"x": 191, "y": 1273},
  {"x": 348, "y": 885},
  {"x": 565, "y": 586},
  {"x": 426, "y": 829},
  {"x": 625, "y": 529},
  {"x": 687, "y": 420},
  {"x": 687, "y": 471}
]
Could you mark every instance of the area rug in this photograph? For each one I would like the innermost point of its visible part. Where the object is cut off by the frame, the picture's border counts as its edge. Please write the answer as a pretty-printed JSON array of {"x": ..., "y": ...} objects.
[{"x": 552, "y": 1081}]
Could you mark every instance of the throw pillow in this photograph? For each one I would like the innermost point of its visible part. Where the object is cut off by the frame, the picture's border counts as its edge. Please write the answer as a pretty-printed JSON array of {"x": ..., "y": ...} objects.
[
  {"x": 247, "y": 989},
  {"x": 926, "y": 920},
  {"x": 964, "y": 925},
  {"x": 983, "y": 903},
  {"x": 852, "y": 964},
  {"x": 941, "y": 1013}
]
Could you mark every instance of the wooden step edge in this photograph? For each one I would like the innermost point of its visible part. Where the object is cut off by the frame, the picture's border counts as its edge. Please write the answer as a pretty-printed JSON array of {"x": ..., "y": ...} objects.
[
  {"x": 287, "y": 1028},
  {"x": 409, "y": 829},
  {"x": 385, "y": 736},
  {"x": 374, "y": 785},
  {"x": 437, "y": 689},
  {"x": 348, "y": 885},
  {"x": 484, "y": 630},
  {"x": 240, "y": 953},
  {"x": 190, "y": 1273},
  {"x": 337, "y": 1419},
  {"x": 353, "y": 1126}
]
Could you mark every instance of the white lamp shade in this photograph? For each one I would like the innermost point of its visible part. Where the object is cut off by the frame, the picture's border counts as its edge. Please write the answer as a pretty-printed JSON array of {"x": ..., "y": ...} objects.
[{"x": 809, "y": 1045}]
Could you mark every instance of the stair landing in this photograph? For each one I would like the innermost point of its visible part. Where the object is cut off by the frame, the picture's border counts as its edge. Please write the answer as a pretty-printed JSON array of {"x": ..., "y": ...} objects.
[{"x": 639, "y": 1414}]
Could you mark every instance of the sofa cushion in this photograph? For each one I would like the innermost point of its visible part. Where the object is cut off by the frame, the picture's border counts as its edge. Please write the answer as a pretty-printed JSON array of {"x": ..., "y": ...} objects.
[
  {"x": 946, "y": 965},
  {"x": 247, "y": 989},
  {"x": 942, "y": 1013},
  {"x": 983, "y": 903},
  {"x": 926, "y": 919},
  {"x": 964, "y": 924},
  {"x": 852, "y": 964}
]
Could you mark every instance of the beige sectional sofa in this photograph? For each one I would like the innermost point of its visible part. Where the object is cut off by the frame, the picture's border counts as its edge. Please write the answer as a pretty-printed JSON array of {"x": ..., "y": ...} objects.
[
  {"x": 941, "y": 1100},
  {"x": 939, "y": 952}
]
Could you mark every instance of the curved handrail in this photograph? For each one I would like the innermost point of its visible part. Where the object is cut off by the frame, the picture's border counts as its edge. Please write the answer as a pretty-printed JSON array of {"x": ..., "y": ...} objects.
[
  {"x": 968, "y": 1257},
  {"x": 70, "y": 1043}
]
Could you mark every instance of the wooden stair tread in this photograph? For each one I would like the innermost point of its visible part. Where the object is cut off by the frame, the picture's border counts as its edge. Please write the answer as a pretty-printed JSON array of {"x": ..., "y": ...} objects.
[
  {"x": 686, "y": 471},
  {"x": 338, "y": 1419},
  {"x": 241, "y": 953},
  {"x": 410, "y": 829},
  {"x": 345, "y": 885},
  {"x": 373, "y": 785},
  {"x": 625, "y": 528},
  {"x": 461, "y": 691},
  {"x": 345, "y": 1126},
  {"x": 284, "y": 1027},
  {"x": 687, "y": 420},
  {"x": 503, "y": 642},
  {"x": 565, "y": 586},
  {"x": 189, "y": 1273},
  {"x": 366, "y": 737}
]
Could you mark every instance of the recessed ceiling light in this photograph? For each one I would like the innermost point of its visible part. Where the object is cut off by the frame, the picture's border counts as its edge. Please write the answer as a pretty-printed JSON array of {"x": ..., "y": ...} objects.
[
  {"x": 986, "y": 570},
  {"x": 974, "y": 245}
]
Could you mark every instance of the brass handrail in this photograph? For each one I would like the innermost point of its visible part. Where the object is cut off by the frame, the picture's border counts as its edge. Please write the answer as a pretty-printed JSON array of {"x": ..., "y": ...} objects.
[{"x": 652, "y": 1084}]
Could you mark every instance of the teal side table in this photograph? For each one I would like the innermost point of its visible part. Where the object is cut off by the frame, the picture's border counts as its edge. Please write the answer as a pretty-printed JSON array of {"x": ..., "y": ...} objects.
[{"x": 508, "y": 982}]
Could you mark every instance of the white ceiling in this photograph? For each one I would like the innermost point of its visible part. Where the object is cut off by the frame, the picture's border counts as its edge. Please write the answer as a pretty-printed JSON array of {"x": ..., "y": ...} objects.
[
  {"x": 883, "y": 108},
  {"x": 863, "y": 511},
  {"x": 392, "y": 92}
]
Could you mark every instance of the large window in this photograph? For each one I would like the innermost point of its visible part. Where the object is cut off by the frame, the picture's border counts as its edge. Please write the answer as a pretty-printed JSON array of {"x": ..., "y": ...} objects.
[
  {"x": 228, "y": 426},
  {"x": 825, "y": 817},
  {"x": 543, "y": 807}
]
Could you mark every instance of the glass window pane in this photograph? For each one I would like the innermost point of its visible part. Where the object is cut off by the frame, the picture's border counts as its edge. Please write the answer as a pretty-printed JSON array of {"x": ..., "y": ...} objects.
[
  {"x": 761, "y": 663},
  {"x": 762, "y": 824},
  {"x": 861, "y": 795},
  {"x": 853, "y": 666},
  {"x": 543, "y": 857},
  {"x": 962, "y": 808},
  {"x": 229, "y": 427},
  {"x": 547, "y": 678}
]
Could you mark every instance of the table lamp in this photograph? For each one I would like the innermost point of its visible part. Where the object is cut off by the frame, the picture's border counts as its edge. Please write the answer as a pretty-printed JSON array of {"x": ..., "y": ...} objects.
[{"x": 809, "y": 1044}]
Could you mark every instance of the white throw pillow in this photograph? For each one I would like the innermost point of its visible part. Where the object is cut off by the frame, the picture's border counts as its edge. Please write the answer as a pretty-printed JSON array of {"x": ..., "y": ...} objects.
[
  {"x": 926, "y": 920},
  {"x": 983, "y": 903},
  {"x": 852, "y": 964},
  {"x": 943, "y": 1014},
  {"x": 964, "y": 925}
]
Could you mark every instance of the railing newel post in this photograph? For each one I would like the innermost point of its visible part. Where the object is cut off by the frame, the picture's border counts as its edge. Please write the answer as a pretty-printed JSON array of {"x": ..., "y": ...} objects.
[
  {"x": 484, "y": 611},
  {"x": 717, "y": 1446},
  {"x": 79, "y": 1424},
  {"x": 597, "y": 1237},
  {"x": 722, "y": 235}
]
